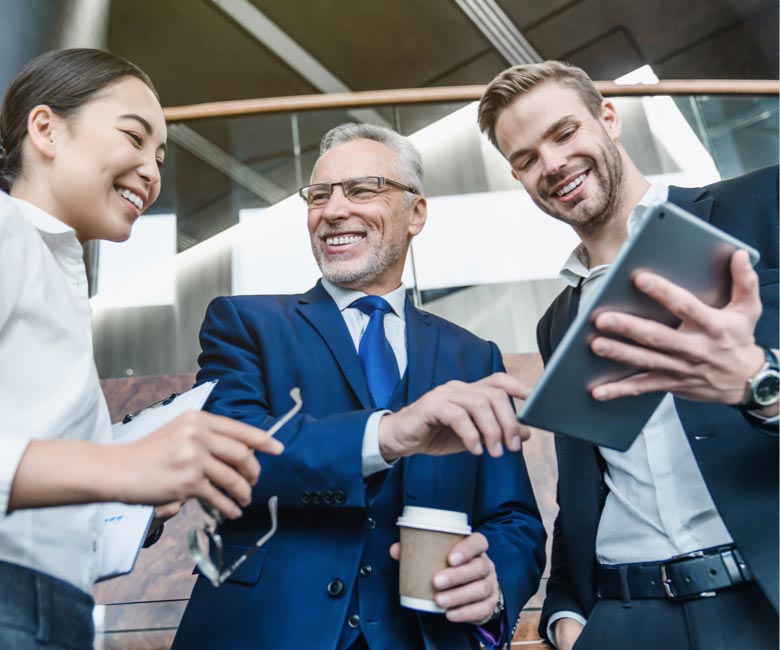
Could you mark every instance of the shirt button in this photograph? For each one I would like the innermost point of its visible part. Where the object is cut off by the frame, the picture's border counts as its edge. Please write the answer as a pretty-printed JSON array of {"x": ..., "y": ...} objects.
[
  {"x": 335, "y": 587},
  {"x": 365, "y": 570},
  {"x": 94, "y": 547},
  {"x": 354, "y": 621},
  {"x": 370, "y": 523}
]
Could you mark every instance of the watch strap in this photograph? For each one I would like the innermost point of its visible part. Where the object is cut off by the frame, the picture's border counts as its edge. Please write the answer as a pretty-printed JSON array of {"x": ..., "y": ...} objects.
[{"x": 770, "y": 367}]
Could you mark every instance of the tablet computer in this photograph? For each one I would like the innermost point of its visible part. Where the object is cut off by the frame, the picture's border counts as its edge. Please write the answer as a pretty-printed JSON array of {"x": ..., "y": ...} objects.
[{"x": 671, "y": 243}]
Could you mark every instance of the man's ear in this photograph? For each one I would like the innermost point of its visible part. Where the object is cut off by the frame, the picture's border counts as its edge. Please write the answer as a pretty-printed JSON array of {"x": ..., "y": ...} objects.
[
  {"x": 418, "y": 216},
  {"x": 610, "y": 119},
  {"x": 42, "y": 130}
]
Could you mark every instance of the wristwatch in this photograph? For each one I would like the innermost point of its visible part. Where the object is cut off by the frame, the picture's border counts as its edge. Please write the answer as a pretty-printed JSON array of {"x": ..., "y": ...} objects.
[
  {"x": 500, "y": 606},
  {"x": 763, "y": 388}
]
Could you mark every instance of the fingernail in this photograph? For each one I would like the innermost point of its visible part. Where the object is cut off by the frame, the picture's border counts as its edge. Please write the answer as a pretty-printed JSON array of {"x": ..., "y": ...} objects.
[
  {"x": 477, "y": 449},
  {"x": 456, "y": 559},
  {"x": 441, "y": 582},
  {"x": 442, "y": 601},
  {"x": 607, "y": 321},
  {"x": 515, "y": 443},
  {"x": 454, "y": 616},
  {"x": 644, "y": 282},
  {"x": 498, "y": 449},
  {"x": 599, "y": 394}
]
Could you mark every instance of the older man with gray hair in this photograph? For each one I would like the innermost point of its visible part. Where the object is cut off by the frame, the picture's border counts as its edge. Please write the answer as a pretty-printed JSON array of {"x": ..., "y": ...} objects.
[{"x": 393, "y": 401}]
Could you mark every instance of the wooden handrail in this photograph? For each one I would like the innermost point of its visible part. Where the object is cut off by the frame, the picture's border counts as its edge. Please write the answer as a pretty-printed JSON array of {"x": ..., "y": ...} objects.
[{"x": 373, "y": 98}]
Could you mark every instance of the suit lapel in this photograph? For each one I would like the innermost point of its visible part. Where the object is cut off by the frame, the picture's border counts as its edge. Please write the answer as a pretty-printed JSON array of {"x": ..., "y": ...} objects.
[
  {"x": 694, "y": 199},
  {"x": 422, "y": 337},
  {"x": 421, "y": 345},
  {"x": 564, "y": 314},
  {"x": 318, "y": 308}
]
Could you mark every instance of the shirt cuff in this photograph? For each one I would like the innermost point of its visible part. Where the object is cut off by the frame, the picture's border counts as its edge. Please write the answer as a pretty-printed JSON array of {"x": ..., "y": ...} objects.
[
  {"x": 372, "y": 458},
  {"x": 556, "y": 617},
  {"x": 12, "y": 449}
]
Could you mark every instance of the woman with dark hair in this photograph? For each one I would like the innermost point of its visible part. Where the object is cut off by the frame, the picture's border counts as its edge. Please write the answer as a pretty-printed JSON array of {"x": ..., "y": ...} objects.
[{"x": 82, "y": 138}]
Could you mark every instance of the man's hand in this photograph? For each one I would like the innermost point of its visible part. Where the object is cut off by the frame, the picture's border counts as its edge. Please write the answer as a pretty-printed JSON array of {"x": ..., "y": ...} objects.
[
  {"x": 708, "y": 358},
  {"x": 566, "y": 632},
  {"x": 197, "y": 454},
  {"x": 162, "y": 514},
  {"x": 455, "y": 417},
  {"x": 468, "y": 589}
]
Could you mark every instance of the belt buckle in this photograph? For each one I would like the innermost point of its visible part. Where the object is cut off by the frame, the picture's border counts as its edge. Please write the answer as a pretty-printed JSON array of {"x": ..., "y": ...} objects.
[{"x": 666, "y": 582}]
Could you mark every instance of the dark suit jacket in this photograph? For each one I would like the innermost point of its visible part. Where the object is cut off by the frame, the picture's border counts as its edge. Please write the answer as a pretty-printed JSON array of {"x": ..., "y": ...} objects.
[
  {"x": 259, "y": 347},
  {"x": 736, "y": 457}
]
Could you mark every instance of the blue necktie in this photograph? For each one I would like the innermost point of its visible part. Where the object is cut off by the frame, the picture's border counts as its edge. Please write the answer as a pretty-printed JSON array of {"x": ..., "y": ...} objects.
[{"x": 376, "y": 356}]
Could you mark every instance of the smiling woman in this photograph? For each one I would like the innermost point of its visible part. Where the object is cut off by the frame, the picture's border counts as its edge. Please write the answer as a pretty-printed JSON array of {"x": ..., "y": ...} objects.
[{"x": 82, "y": 139}]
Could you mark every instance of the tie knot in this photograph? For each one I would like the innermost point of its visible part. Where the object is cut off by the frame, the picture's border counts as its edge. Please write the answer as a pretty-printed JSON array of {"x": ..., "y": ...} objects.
[{"x": 369, "y": 304}]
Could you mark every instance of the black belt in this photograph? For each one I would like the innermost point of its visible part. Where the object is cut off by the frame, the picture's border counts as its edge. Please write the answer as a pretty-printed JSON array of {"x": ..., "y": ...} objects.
[{"x": 693, "y": 575}]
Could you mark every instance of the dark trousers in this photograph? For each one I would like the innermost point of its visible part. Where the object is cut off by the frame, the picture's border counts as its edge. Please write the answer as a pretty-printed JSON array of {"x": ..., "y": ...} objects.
[
  {"x": 740, "y": 618},
  {"x": 38, "y": 611}
]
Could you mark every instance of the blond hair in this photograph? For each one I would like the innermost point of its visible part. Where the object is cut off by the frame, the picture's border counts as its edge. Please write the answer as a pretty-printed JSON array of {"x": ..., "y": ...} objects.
[{"x": 519, "y": 79}]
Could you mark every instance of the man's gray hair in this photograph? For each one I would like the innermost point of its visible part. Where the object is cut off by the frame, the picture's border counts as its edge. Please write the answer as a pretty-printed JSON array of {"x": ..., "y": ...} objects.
[{"x": 408, "y": 160}]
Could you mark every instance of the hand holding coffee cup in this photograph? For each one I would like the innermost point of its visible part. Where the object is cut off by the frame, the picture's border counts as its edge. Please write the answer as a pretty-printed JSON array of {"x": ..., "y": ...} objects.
[{"x": 444, "y": 568}]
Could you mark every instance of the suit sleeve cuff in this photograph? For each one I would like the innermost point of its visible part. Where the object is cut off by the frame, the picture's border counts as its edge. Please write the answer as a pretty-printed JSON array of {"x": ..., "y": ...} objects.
[
  {"x": 372, "y": 459},
  {"x": 556, "y": 617}
]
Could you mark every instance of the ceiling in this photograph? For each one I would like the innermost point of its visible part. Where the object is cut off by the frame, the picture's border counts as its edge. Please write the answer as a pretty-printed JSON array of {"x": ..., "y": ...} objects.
[{"x": 205, "y": 50}]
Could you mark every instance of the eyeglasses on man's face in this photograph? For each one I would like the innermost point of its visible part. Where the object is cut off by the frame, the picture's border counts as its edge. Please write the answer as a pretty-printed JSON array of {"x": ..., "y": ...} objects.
[
  {"x": 357, "y": 190},
  {"x": 205, "y": 543}
]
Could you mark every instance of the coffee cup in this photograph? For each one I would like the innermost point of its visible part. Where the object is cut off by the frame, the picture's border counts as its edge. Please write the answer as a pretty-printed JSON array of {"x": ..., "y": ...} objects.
[{"x": 427, "y": 536}]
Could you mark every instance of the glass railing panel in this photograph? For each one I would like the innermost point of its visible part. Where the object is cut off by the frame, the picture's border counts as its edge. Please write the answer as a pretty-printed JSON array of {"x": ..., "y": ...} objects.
[{"x": 487, "y": 259}]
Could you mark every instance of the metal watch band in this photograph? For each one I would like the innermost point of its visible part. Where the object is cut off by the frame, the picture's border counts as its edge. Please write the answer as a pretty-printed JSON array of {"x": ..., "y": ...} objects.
[{"x": 767, "y": 378}]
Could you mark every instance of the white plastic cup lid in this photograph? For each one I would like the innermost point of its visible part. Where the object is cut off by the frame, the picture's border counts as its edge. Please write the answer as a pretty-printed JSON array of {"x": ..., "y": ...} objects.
[{"x": 443, "y": 521}]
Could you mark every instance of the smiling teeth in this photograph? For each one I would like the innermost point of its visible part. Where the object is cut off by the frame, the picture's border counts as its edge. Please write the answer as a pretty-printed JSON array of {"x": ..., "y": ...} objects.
[
  {"x": 568, "y": 188},
  {"x": 343, "y": 241},
  {"x": 136, "y": 200}
]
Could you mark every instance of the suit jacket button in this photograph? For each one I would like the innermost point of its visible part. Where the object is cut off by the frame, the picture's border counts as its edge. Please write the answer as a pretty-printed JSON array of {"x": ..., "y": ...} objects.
[
  {"x": 327, "y": 496},
  {"x": 305, "y": 497},
  {"x": 370, "y": 523},
  {"x": 340, "y": 497},
  {"x": 365, "y": 570},
  {"x": 316, "y": 498},
  {"x": 335, "y": 587},
  {"x": 353, "y": 621}
]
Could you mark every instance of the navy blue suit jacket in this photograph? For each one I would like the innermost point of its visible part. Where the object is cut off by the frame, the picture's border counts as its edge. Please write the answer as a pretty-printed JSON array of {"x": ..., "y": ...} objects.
[
  {"x": 259, "y": 347},
  {"x": 736, "y": 457}
]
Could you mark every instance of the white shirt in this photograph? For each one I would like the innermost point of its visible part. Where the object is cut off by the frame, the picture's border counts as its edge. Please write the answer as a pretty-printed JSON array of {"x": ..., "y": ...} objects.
[
  {"x": 395, "y": 331},
  {"x": 658, "y": 504},
  {"x": 49, "y": 385}
]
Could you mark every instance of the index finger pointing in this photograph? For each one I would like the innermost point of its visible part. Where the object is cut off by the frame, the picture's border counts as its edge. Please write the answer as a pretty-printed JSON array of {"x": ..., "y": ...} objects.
[{"x": 251, "y": 436}]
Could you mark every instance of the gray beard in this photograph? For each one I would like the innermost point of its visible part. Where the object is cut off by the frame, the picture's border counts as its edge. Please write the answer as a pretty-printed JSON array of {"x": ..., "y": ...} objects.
[{"x": 367, "y": 272}]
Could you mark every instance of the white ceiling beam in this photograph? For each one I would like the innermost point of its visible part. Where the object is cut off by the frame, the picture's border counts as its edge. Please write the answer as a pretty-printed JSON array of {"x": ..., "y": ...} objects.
[
  {"x": 268, "y": 33},
  {"x": 497, "y": 27}
]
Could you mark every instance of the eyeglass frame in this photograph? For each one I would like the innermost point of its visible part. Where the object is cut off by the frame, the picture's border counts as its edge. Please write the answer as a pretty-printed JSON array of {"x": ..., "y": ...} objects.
[
  {"x": 381, "y": 181},
  {"x": 215, "y": 573}
]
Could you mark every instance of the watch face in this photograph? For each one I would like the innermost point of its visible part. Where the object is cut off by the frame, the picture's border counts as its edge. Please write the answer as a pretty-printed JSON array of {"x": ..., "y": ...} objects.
[{"x": 767, "y": 389}]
